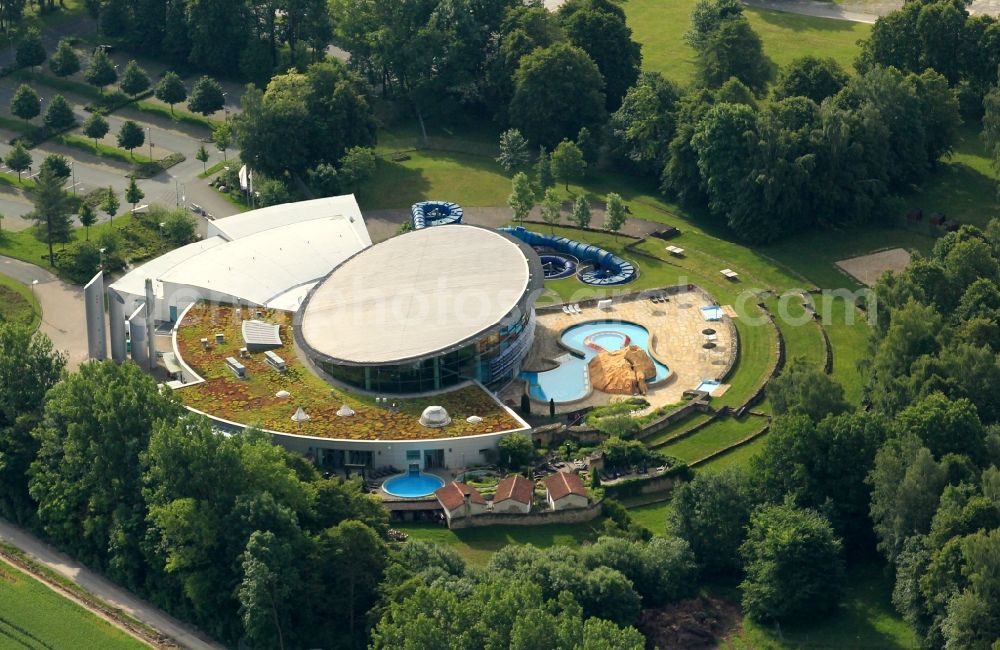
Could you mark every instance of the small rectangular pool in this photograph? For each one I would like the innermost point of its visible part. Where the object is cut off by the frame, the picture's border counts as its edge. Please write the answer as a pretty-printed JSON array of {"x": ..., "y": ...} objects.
[
  {"x": 708, "y": 385},
  {"x": 712, "y": 313}
]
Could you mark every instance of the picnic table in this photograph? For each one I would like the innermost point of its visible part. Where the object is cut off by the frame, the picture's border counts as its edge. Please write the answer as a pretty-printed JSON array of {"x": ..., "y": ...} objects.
[
  {"x": 676, "y": 251},
  {"x": 730, "y": 274}
]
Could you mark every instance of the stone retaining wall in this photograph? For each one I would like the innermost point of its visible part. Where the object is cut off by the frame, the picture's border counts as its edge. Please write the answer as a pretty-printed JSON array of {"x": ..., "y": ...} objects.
[{"x": 539, "y": 518}]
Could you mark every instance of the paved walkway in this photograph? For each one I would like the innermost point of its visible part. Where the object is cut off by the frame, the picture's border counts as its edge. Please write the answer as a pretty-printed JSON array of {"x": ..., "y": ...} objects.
[
  {"x": 62, "y": 308},
  {"x": 107, "y": 591}
]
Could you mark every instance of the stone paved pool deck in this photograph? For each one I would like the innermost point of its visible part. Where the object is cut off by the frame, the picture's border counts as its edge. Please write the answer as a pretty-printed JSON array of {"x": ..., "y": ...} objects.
[{"x": 676, "y": 334}]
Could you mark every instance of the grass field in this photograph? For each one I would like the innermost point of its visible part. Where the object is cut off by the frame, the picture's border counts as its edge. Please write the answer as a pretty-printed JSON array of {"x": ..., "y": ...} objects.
[
  {"x": 476, "y": 545},
  {"x": 660, "y": 26},
  {"x": 33, "y": 616},
  {"x": 17, "y": 304},
  {"x": 23, "y": 244}
]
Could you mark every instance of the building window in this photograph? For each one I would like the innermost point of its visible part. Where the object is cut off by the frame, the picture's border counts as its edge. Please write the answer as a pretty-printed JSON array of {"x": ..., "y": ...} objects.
[{"x": 412, "y": 454}]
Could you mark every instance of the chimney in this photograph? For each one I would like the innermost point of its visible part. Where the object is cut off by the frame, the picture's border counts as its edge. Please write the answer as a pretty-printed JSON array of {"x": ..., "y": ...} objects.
[{"x": 468, "y": 504}]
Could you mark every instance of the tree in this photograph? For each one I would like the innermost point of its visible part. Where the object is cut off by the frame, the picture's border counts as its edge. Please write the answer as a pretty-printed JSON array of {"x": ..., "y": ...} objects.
[
  {"x": 87, "y": 217},
  {"x": 605, "y": 37},
  {"x": 267, "y": 586},
  {"x": 57, "y": 164},
  {"x": 101, "y": 72},
  {"x": 804, "y": 389},
  {"x": 302, "y": 120},
  {"x": 29, "y": 367},
  {"x": 513, "y": 150},
  {"x": 64, "y": 61},
  {"x": 521, "y": 198},
  {"x": 18, "y": 159},
  {"x": 557, "y": 91},
  {"x": 130, "y": 136},
  {"x": 179, "y": 227},
  {"x": 222, "y": 137},
  {"x": 110, "y": 204},
  {"x": 25, "y": 103},
  {"x": 543, "y": 170},
  {"x": 616, "y": 213},
  {"x": 734, "y": 50},
  {"x": 810, "y": 76},
  {"x": 581, "y": 212},
  {"x": 170, "y": 90},
  {"x": 97, "y": 425},
  {"x": 357, "y": 166},
  {"x": 586, "y": 144},
  {"x": 568, "y": 163},
  {"x": 645, "y": 123},
  {"x": 550, "y": 208},
  {"x": 711, "y": 512},
  {"x": 823, "y": 465},
  {"x": 516, "y": 451},
  {"x": 134, "y": 79},
  {"x": 991, "y": 124},
  {"x": 706, "y": 17},
  {"x": 793, "y": 564},
  {"x": 51, "y": 211},
  {"x": 206, "y": 96},
  {"x": 30, "y": 51},
  {"x": 132, "y": 193},
  {"x": 202, "y": 156},
  {"x": 95, "y": 128},
  {"x": 59, "y": 115}
]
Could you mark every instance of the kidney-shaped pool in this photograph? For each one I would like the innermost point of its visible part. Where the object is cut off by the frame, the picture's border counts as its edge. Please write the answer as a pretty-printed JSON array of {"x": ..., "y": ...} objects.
[{"x": 570, "y": 380}]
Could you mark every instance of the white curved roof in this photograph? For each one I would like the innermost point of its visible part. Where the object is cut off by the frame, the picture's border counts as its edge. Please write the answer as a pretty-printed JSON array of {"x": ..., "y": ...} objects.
[
  {"x": 261, "y": 267},
  {"x": 270, "y": 257},
  {"x": 416, "y": 294}
]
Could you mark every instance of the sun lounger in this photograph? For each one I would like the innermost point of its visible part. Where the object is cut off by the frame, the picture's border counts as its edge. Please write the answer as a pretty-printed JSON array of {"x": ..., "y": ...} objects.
[{"x": 576, "y": 307}]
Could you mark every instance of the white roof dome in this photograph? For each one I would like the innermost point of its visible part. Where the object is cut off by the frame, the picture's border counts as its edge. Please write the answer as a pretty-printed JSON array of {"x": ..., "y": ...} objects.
[{"x": 435, "y": 416}]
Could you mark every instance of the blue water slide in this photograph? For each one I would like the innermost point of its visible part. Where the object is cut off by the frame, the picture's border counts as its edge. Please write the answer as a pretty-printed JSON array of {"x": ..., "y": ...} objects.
[
  {"x": 435, "y": 213},
  {"x": 608, "y": 269}
]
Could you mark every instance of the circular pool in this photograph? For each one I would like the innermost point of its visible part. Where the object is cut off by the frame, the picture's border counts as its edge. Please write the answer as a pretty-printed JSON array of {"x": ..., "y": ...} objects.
[
  {"x": 605, "y": 341},
  {"x": 412, "y": 486}
]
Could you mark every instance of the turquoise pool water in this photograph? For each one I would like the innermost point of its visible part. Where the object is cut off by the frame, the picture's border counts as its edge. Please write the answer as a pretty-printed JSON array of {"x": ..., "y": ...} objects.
[
  {"x": 712, "y": 313},
  {"x": 413, "y": 485},
  {"x": 570, "y": 380},
  {"x": 708, "y": 385}
]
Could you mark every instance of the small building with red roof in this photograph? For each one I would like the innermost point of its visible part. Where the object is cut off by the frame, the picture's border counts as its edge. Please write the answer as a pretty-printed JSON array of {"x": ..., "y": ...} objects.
[
  {"x": 460, "y": 500},
  {"x": 514, "y": 495},
  {"x": 564, "y": 490}
]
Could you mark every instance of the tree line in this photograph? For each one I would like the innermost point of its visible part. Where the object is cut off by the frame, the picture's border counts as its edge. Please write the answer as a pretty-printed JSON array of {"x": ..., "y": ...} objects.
[{"x": 912, "y": 473}]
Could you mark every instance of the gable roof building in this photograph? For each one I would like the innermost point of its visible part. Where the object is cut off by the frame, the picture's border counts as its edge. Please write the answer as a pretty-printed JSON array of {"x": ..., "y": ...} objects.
[
  {"x": 514, "y": 494},
  {"x": 565, "y": 490},
  {"x": 460, "y": 500}
]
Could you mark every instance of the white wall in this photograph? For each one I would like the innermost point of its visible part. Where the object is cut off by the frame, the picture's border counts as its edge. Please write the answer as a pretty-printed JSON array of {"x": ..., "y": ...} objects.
[
  {"x": 510, "y": 505},
  {"x": 567, "y": 502}
]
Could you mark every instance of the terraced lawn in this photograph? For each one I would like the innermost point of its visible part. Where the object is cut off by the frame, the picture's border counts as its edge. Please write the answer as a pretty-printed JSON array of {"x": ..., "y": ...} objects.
[
  {"x": 677, "y": 427},
  {"x": 476, "y": 545},
  {"x": 722, "y": 432},
  {"x": 32, "y": 616}
]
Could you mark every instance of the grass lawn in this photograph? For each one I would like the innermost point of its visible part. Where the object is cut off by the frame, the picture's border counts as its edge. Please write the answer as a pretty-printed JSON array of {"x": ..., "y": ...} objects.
[
  {"x": 651, "y": 516},
  {"x": 17, "y": 304},
  {"x": 865, "y": 619},
  {"x": 467, "y": 179},
  {"x": 677, "y": 427},
  {"x": 155, "y": 107},
  {"x": 722, "y": 432},
  {"x": 105, "y": 151},
  {"x": 476, "y": 545},
  {"x": 34, "y": 616},
  {"x": 660, "y": 26},
  {"x": 802, "y": 339},
  {"x": 739, "y": 457}
]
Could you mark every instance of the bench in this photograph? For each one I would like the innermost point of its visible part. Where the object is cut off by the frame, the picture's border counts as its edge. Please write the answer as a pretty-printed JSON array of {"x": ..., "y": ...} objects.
[
  {"x": 275, "y": 361},
  {"x": 236, "y": 367}
]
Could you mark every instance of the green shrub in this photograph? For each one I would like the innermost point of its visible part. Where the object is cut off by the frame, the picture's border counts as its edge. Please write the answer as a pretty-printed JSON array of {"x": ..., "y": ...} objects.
[{"x": 79, "y": 261}]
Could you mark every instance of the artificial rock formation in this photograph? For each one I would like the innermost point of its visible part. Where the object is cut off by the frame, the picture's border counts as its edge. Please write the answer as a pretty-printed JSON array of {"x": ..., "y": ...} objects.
[{"x": 623, "y": 371}]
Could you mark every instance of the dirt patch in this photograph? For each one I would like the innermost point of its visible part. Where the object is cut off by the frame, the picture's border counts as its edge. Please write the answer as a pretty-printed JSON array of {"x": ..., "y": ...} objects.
[
  {"x": 696, "y": 624},
  {"x": 868, "y": 268}
]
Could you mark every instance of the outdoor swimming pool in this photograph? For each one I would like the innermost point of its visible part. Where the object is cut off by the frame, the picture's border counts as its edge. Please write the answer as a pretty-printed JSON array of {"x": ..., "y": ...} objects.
[
  {"x": 412, "y": 485},
  {"x": 712, "y": 312},
  {"x": 708, "y": 385},
  {"x": 570, "y": 380}
]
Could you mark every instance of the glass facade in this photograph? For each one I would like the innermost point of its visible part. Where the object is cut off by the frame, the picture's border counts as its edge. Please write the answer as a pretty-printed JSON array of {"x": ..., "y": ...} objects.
[{"x": 493, "y": 360}]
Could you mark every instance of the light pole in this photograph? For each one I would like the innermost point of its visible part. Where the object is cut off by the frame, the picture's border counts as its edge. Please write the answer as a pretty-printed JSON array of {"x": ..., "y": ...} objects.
[
  {"x": 225, "y": 108},
  {"x": 72, "y": 173},
  {"x": 33, "y": 283},
  {"x": 149, "y": 137}
]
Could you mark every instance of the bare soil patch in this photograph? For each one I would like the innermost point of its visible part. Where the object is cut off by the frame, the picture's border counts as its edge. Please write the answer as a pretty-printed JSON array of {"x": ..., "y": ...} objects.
[
  {"x": 695, "y": 624},
  {"x": 867, "y": 269}
]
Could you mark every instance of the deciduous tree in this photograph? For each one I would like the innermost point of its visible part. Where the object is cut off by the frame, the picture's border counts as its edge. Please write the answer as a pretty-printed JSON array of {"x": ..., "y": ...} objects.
[
  {"x": 130, "y": 136},
  {"x": 25, "y": 103},
  {"x": 100, "y": 72},
  {"x": 64, "y": 61},
  {"x": 59, "y": 114},
  {"x": 134, "y": 79},
  {"x": 95, "y": 128},
  {"x": 521, "y": 198},
  {"x": 568, "y": 163},
  {"x": 206, "y": 96},
  {"x": 170, "y": 90},
  {"x": 513, "y": 150}
]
